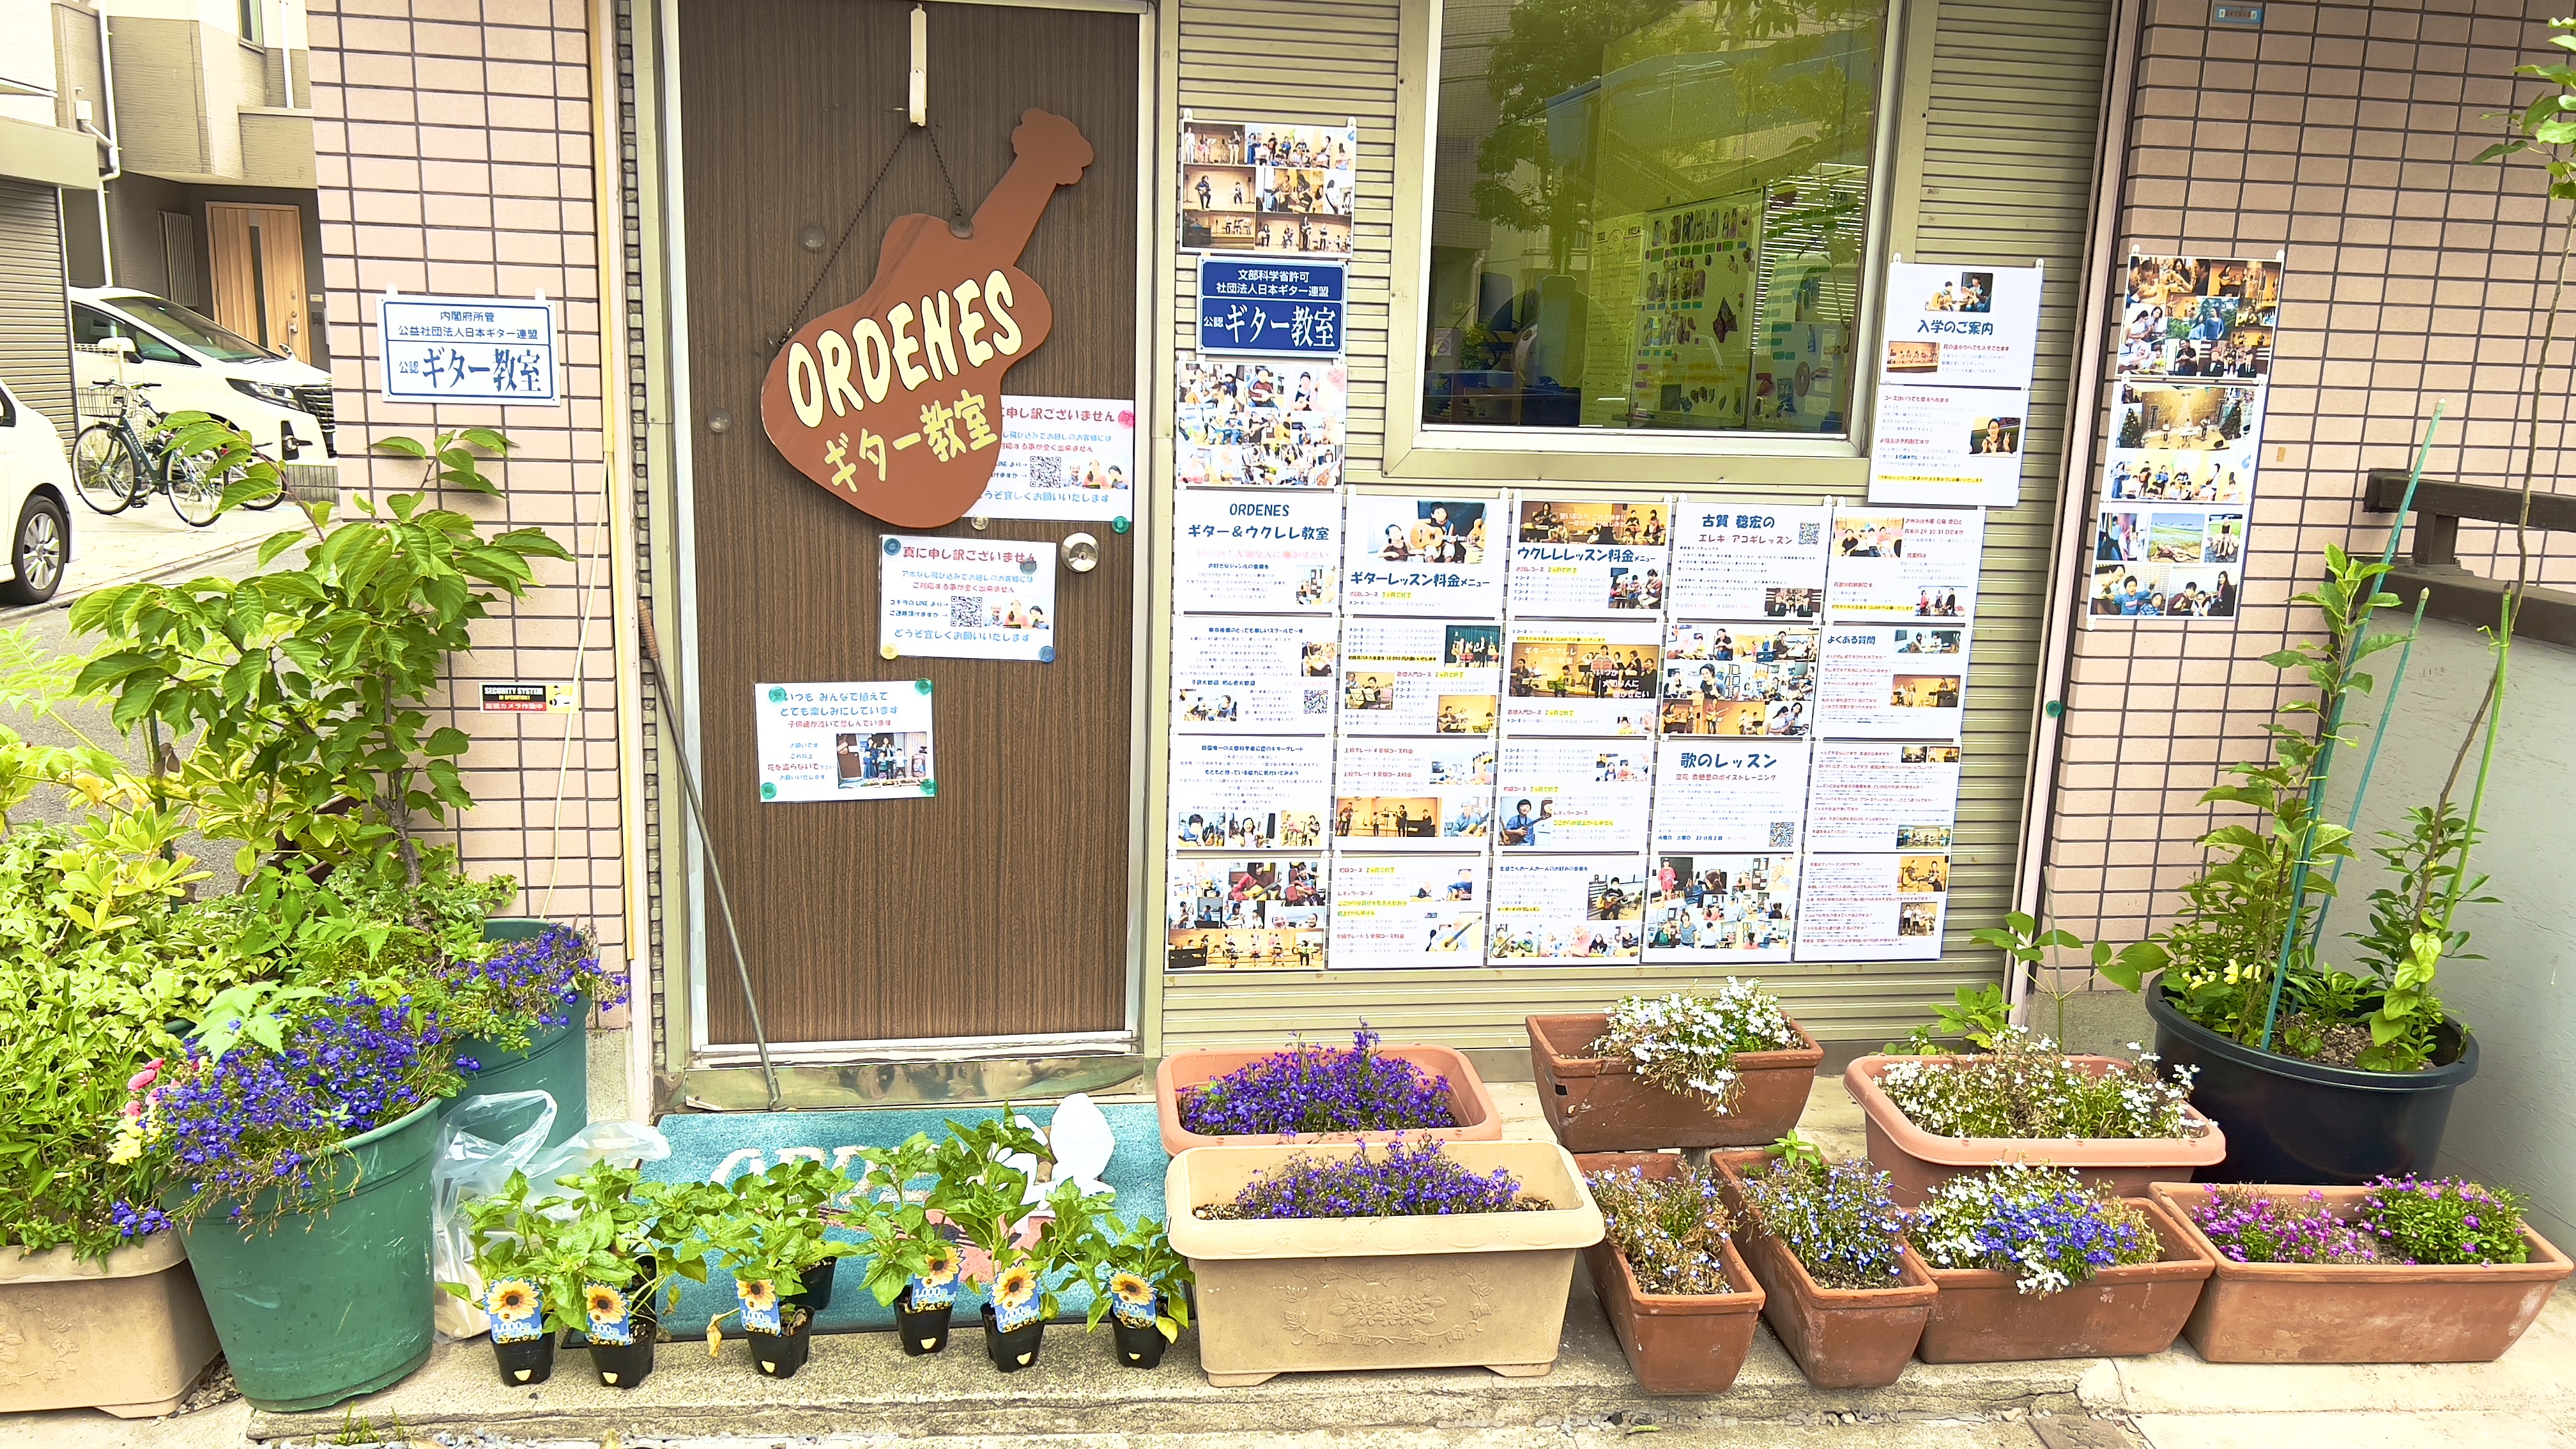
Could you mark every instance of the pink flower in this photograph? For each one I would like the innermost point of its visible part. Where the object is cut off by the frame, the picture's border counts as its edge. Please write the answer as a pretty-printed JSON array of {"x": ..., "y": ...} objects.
[{"x": 143, "y": 1078}]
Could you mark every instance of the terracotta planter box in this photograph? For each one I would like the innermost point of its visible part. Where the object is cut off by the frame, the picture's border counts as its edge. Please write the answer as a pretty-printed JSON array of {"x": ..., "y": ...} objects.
[
  {"x": 1594, "y": 1105},
  {"x": 1920, "y": 1161},
  {"x": 127, "y": 1336},
  {"x": 2334, "y": 1313},
  {"x": 1676, "y": 1343},
  {"x": 1842, "y": 1338},
  {"x": 1468, "y": 1100},
  {"x": 2119, "y": 1313},
  {"x": 1295, "y": 1296}
]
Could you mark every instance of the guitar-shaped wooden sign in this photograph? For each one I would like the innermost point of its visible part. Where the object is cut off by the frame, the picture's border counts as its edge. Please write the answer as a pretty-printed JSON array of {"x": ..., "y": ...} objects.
[{"x": 894, "y": 402}]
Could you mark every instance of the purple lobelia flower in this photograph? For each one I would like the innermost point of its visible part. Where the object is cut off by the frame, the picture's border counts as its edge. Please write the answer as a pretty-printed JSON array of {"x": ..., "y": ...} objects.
[
  {"x": 1397, "y": 1181},
  {"x": 1319, "y": 1089}
]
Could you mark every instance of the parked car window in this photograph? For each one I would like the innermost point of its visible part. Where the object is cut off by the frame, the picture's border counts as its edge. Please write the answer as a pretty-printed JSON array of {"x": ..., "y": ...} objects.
[
  {"x": 91, "y": 326},
  {"x": 197, "y": 331},
  {"x": 8, "y": 409}
]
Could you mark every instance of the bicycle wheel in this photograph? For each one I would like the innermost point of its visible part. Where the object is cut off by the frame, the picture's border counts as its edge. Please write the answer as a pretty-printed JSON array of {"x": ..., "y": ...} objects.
[
  {"x": 105, "y": 471},
  {"x": 196, "y": 494}
]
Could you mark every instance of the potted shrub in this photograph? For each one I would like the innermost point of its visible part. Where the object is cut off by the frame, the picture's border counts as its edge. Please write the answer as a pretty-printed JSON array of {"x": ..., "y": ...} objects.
[
  {"x": 2404, "y": 1270},
  {"x": 514, "y": 1251},
  {"x": 1725, "y": 1069},
  {"x": 1827, "y": 1244},
  {"x": 625, "y": 1245},
  {"x": 1680, "y": 1300},
  {"x": 2115, "y": 1122},
  {"x": 1138, "y": 1283},
  {"x": 1213, "y": 1096},
  {"x": 991, "y": 1201},
  {"x": 913, "y": 1265},
  {"x": 1305, "y": 1255},
  {"x": 771, "y": 1236},
  {"x": 2033, "y": 1262}
]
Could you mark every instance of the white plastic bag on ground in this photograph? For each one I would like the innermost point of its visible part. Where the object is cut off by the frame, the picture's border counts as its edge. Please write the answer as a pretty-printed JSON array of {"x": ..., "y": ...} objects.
[{"x": 482, "y": 1142}]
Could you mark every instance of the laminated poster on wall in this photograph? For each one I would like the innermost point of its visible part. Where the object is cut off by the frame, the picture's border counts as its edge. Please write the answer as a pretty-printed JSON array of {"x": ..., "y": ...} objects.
[
  {"x": 1065, "y": 458},
  {"x": 1872, "y": 907},
  {"x": 1265, "y": 914},
  {"x": 1265, "y": 424},
  {"x": 1392, "y": 912},
  {"x": 1748, "y": 561},
  {"x": 1954, "y": 384},
  {"x": 1236, "y": 550},
  {"x": 1268, "y": 187},
  {"x": 1578, "y": 558},
  {"x": 1237, "y": 793},
  {"x": 2198, "y": 317},
  {"x": 1870, "y": 796},
  {"x": 1892, "y": 683},
  {"x": 1574, "y": 795},
  {"x": 966, "y": 598},
  {"x": 1890, "y": 565},
  {"x": 1738, "y": 680},
  {"x": 852, "y": 741},
  {"x": 1746, "y": 796},
  {"x": 1420, "y": 677},
  {"x": 1413, "y": 795},
  {"x": 1708, "y": 908},
  {"x": 1424, "y": 555},
  {"x": 2167, "y": 562},
  {"x": 1567, "y": 910},
  {"x": 1691, "y": 361},
  {"x": 1242, "y": 674},
  {"x": 1596, "y": 679}
]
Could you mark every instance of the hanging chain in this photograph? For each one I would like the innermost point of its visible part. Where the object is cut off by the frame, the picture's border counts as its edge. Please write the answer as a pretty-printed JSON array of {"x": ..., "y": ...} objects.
[{"x": 956, "y": 214}]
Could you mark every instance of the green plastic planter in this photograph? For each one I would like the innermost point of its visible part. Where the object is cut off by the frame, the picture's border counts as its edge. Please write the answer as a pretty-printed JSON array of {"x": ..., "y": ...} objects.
[
  {"x": 556, "y": 1062},
  {"x": 328, "y": 1297}
]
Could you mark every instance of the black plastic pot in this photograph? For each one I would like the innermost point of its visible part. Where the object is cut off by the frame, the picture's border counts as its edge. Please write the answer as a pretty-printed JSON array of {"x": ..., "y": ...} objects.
[
  {"x": 2295, "y": 1121},
  {"x": 1015, "y": 1350},
  {"x": 527, "y": 1360},
  {"x": 922, "y": 1332},
  {"x": 624, "y": 1365},
  {"x": 818, "y": 1288},
  {"x": 1138, "y": 1347},
  {"x": 780, "y": 1355}
]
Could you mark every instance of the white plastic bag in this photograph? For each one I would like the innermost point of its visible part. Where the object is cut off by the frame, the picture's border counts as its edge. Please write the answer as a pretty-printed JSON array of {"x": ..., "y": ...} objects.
[{"x": 482, "y": 1142}]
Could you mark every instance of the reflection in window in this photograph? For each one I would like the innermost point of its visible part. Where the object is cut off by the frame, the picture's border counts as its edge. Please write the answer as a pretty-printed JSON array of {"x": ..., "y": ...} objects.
[{"x": 1650, "y": 213}]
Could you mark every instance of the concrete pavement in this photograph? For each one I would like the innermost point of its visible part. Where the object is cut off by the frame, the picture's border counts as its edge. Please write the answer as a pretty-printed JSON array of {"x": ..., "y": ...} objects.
[{"x": 150, "y": 542}]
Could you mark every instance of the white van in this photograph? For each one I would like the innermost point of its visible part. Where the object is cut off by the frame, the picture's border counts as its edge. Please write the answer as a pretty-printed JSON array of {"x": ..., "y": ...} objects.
[
  {"x": 35, "y": 503},
  {"x": 284, "y": 405}
]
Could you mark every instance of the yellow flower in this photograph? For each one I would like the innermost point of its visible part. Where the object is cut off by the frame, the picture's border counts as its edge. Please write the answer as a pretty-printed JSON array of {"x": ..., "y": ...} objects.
[
  {"x": 757, "y": 1295},
  {"x": 514, "y": 1299},
  {"x": 607, "y": 1305},
  {"x": 941, "y": 1267},
  {"x": 1128, "y": 1288},
  {"x": 1016, "y": 1286}
]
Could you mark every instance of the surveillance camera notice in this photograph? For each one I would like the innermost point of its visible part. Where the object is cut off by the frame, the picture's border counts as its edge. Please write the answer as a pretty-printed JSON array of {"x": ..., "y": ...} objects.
[
  {"x": 844, "y": 741},
  {"x": 526, "y": 697}
]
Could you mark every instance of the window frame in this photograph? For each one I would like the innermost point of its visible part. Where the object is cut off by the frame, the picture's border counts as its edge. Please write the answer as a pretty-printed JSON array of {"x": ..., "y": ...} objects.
[{"x": 1416, "y": 449}]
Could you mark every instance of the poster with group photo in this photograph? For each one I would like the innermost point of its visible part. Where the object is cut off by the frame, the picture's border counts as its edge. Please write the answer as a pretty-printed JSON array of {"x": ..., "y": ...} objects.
[
  {"x": 966, "y": 598},
  {"x": 1063, "y": 457},
  {"x": 1722, "y": 908},
  {"x": 843, "y": 741},
  {"x": 1585, "y": 795},
  {"x": 1748, "y": 561},
  {"x": 1391, "y": 912},
  {"x": 1250, "y": 675},
  {"x": 2199, "y": 317},
  {"x": 1257, "y": 914},
  {"x": 1235, "y": 551},
  {"x": 1582, "y": 678},
  {"x": 1413, "y": 795},
  {"x": 1420, "y": 677},
  {"x": 1864, "y": 795},
  {"x": 1890, "y": 565},
  {"x": 1739, "y": 679},
  {"x": 1260, "y": 186},
  {"x": 1437, "y": 556},
  {"x": 1872, "y": 907},
  {"x": 1892, "y": 684},
  {"x": 2167, "y": 563},
  {"x": 1260, "y": 424},
  {"x": 1578, "y": 559},
  {"x": 1269, "y": 793},
  {"x": 2174, "y": 442},
  {"x": 1567, "y": 910},
  {"x": 1724, "y": 795}
]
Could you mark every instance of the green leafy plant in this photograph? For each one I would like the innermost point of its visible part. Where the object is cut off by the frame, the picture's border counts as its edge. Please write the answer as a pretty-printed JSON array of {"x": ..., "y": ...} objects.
[
  {"x": 1134, "y": 1263},
  {"x": 892, "y": 1217},
  {"x": 613, "y": 1222},
  {"x": 2027, "y": 947},
  {"x": 2411, "y": 934},
  {"x": 1978, "y": 1015},
  {"x": 774, "y": 1228},
  {"x": 987, "y": 1198}
]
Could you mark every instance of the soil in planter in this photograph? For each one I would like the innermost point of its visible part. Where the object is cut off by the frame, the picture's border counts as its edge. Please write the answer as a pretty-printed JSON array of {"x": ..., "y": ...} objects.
[
  {"x": 780, "y": 1355},
  {"x": 1015, "y": 1350},
  {"x": 526, "y": 1361},
  {"x": 925, "y": 1331},
  {"x": 1138, "y": 1347}
]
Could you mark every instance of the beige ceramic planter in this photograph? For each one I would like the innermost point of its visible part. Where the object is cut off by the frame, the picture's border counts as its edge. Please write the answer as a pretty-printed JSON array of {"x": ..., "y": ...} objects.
[
  {"x": 2360, "y": 1313},
  {"x": 1469, "y": 1103},
  {"x": 1599, "y": 1105},
  {"x": 1296, "y": 1296},
  {"x": 2122, "y": 1312},
  {"x": 127, "y": 1336},
  {"x": 1919, "y": 1161}
]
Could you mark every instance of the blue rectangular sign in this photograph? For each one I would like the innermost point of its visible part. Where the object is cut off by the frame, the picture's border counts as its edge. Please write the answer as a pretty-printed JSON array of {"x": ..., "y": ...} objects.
[{"x": 1277, "y": 307}]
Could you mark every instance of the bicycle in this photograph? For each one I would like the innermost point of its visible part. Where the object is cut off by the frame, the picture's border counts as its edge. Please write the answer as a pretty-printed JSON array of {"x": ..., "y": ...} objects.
[{"x": 110, "y": 457}]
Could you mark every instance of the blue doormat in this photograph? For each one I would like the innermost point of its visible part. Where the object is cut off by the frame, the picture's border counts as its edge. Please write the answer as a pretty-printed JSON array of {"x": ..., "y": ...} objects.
[{"x": 721, "y": 1146}]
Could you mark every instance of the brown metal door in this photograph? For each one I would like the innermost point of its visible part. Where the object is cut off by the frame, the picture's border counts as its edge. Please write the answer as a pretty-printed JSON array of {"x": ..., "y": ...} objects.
[{"x": 999, "y": 907}]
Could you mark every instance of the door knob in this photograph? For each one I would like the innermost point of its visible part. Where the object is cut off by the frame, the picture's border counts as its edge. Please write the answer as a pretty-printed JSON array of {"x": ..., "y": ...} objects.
[{"x": 1081, "y": 553}]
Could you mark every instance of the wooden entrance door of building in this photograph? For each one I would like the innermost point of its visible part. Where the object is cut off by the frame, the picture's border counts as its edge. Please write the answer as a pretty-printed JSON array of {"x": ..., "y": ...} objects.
[
  {"x": 258, "y": 257},
  {"x": 1002, "y": 908}
]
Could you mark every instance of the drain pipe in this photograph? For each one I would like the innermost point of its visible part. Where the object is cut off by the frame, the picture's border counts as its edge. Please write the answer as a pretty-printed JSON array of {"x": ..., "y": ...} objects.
[{"x": 115, "y": 153}]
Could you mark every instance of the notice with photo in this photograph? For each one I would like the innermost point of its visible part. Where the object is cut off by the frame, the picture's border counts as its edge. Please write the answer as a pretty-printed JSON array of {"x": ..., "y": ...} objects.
[
  {"x": 1892, "y": 683},
  {"x": 1725, "y": 795},
  {"x": 1872, "y": 907},
  {"x": 1868, "y": 796},
  {"x": 1582, "y": 679},
  {"x": 1567, "y": 910},
  {"x": 1252, "y": 675},
  {"x": 1424, "y": 556},
  {"x": 965, "y": 598},
  {"x": 1738, "y": 680},
  {"x": 1420, "y": 676},
  {"x": 1891, "y": 565},
  {"x": 2191, "y": 477},
  {"x": 1235, "y": 551},
  {"x": 1748, "y": 561},
  {"x": 1954, "y": 326},
  {"x": 1579, "y": 559},
  {"x": 1259, "y": 424},
  {"x": 1268, "y": 793},
  {"x": 1390, "y": 912},
  {"x": 2199, "y": 317},
  {"x": 1413, "y": 795},
  {"x": 1063, "y": 457},
  {"x": 843, "y": 741},
  {"x": 1721, "y": 908},
  {"x": 1581, "y": 795},
  {"x": 1959, "y": 446},
  {"x": 1268, "y": 187},
  {"x": 2162, "y": 593},
  {"x": 1257, "y": 914}
]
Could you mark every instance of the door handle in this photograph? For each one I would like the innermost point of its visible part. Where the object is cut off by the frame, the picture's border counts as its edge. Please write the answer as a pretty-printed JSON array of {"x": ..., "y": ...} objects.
[{"x": 1081, "y": 552}]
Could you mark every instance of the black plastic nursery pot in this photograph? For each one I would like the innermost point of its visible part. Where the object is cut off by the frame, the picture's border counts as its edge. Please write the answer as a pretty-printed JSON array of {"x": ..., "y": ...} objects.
[
  {"x": 921, "y": 1332},
  {"x": 818, "y": 1288},
  {"x": 1015, "y": 1350},
  {"x": 527, "y": 1360},
  {"x": 624, "y": 1365},
  {"x": 2289, "y": 1120},
  {"x": 780, "y": 1355},
  {"x": 1138, "y": 1347}
]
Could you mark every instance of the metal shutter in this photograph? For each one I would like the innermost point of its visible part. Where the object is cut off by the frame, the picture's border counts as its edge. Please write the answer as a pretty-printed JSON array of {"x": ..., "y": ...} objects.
[{"x": 35, "y": 319}]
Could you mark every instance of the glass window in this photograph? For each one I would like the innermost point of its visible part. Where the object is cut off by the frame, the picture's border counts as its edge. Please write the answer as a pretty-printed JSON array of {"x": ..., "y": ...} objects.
[
  {"x": 1649, "y": 214},
  {"x": 92, "y": 326},
  {"x": 199, "y": 332}
]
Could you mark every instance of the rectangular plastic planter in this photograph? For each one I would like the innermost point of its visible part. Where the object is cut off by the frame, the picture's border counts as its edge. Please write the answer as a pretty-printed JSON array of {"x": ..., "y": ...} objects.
[
  {"x": 1301, "y": 1295},
  {"x": 2360, "y": 1313},
  {"x": 1980, "y": 1317},
  {"x": 1598, "y": 1105},
  {"x": 1919, "y": 1161},
  {"x": 1842, "y": 1338},
  {"x": 1468, "y": 1101},
  {"x": 1676, "y": 1343},
  {"x": 127, "y": 1336}
]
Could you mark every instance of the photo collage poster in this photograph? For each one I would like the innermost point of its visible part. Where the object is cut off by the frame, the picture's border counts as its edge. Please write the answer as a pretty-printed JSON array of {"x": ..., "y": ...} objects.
[
  {"x": 1954, "y": 384},
  {"x": 2189, "y": 388}
]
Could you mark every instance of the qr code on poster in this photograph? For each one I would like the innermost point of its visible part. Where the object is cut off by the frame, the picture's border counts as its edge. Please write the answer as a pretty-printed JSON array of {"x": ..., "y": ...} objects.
[
  {"x": 965, "y": 612},
  {"x": 1810, "y": 534},
  {"x": 1784, "y": 834},
  {"x": 1319, "y": 701},
  {"x": 1046, "y": 470}
]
